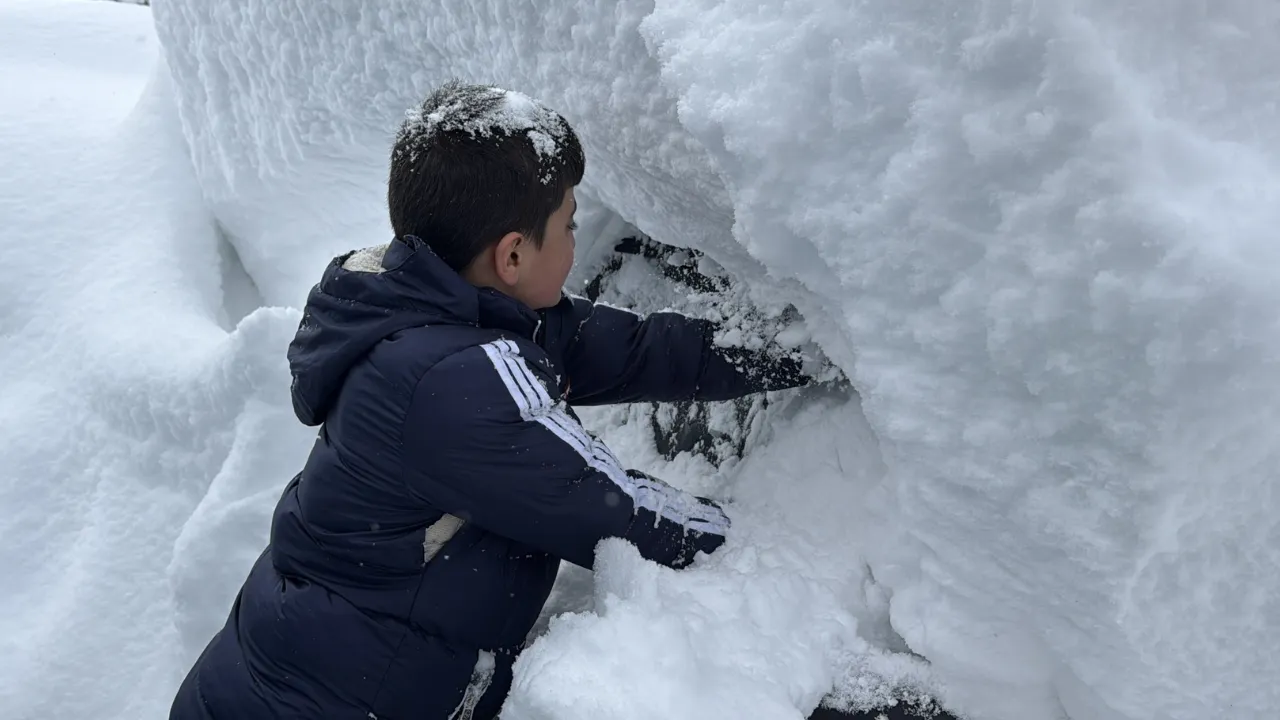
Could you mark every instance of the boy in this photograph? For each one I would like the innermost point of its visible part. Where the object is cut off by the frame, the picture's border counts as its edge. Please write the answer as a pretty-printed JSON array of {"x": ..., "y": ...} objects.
[{"x": 413, "y": 553}]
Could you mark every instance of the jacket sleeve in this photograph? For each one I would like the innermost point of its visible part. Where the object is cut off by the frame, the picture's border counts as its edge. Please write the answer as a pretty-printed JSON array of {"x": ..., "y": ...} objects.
[
  {"x": 616, "y": 356},
  {"x": 484, "y": 441}
]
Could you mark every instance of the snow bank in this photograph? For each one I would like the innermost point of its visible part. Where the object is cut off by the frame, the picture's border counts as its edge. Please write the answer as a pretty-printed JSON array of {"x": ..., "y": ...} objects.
[
  {"x": 1034, "y": 235},
  {"x": 128, "y": 408},
  {"x": 1047, "y": 232}
]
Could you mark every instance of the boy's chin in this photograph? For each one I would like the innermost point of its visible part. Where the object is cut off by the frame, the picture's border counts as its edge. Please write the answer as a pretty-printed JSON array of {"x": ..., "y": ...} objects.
[{"x": 543, "y": 301}]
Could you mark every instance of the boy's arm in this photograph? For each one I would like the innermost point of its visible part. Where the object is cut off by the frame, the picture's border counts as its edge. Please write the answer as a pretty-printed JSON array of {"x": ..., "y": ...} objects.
[
  {"x": 485, "y": 442},
  {"x": 617, "y": 356}
]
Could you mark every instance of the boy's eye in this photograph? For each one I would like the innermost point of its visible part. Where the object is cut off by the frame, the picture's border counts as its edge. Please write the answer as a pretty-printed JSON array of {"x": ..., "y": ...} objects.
[{"x": 573, "y": 225}]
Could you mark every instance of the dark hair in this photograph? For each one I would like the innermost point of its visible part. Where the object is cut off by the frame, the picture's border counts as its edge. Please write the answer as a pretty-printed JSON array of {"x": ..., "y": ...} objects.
[{"x": 475, "y": 162}]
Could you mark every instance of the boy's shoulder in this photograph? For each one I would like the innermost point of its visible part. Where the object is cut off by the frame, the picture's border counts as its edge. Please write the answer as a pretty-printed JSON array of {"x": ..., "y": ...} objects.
[
  {"x": 461, "y": 357},
  {"x": 501, "y": 379}
]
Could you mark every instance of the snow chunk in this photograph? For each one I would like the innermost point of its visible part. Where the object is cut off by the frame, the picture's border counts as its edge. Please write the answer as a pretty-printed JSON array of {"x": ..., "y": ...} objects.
[{"x": 740, "y": 635}]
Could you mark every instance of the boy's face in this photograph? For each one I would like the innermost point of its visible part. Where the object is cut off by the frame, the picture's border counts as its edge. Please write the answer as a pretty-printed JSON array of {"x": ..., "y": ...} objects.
[{"x": 541, "y": 286}]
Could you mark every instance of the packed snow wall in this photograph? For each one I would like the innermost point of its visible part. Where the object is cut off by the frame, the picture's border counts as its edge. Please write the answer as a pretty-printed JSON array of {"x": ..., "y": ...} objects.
[{"x": 1037, "y": 238}]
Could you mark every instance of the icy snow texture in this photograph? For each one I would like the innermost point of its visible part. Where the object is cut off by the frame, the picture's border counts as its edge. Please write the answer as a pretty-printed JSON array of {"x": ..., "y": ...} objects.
[{"x": 1037, "y": 236}]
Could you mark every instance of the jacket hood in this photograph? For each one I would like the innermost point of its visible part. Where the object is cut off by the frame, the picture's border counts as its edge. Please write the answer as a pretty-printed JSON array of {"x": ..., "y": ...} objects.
[{"x": 367, "y": 295}]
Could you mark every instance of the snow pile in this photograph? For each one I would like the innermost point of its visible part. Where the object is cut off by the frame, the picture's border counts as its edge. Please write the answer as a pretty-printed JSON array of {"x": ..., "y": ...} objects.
[
  {"x": 133, "y": 407},
  {"x": 1047, "y": 232},
  {"x": 1037, "y": 237}
]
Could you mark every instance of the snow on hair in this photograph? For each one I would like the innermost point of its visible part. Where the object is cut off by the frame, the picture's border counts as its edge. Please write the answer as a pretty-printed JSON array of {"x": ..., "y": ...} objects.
[{"x": 484, "y": 111}]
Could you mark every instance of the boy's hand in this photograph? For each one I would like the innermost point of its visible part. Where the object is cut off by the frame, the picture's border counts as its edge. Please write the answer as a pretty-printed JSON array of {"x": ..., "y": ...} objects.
[{"x": 766, "y": 372}]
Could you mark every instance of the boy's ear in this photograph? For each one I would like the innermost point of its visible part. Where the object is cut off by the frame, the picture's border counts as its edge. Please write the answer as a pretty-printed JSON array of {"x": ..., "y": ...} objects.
[{"x": 506, "y": 257}]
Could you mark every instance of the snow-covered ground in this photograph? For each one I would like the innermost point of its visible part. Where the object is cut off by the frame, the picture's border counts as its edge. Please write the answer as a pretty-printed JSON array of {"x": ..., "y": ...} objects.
[
  {"x": 135, "y": 428},
  {"x": 1038, "y": 238}
]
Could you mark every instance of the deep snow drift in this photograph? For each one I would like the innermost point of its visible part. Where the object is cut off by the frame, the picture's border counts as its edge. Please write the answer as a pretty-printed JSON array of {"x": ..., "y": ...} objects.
[
  {"x": 1037, "y": 237},
  {"x": 131, "y": 420}
]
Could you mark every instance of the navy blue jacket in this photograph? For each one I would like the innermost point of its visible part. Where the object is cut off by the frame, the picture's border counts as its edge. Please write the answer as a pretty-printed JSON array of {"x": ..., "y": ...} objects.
[{"x": 415, "y": 550}]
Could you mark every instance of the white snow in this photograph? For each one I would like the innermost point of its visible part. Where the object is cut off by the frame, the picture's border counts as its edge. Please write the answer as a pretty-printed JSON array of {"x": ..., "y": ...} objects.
[
  {"x": 1038, "y": 237},
  {"x": 135, "y": 429}
]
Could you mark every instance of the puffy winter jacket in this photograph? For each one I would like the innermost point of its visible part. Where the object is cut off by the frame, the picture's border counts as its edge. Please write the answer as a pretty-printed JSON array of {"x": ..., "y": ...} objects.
[{"x": 412, "y": 554}]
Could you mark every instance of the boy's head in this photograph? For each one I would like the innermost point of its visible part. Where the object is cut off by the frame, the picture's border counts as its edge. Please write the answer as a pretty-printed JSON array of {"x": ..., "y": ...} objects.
[{"x": 485, "y": 177}]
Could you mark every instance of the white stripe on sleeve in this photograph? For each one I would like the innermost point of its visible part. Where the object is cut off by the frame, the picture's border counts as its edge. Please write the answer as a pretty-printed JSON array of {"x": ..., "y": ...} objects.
[{"x": 535, "y": 405}]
